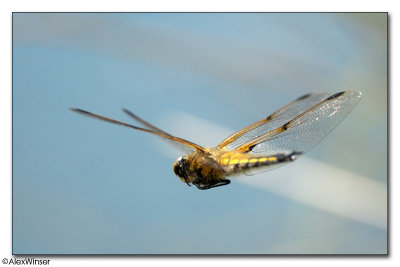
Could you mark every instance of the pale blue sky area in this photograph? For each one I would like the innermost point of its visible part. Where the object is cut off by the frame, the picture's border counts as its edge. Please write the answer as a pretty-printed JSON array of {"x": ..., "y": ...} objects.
[{"x": 85, "y": 186}]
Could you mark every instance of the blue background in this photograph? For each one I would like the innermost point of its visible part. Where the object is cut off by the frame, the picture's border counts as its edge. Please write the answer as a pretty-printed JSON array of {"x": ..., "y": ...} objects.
[{"x": 85, "y": 186}]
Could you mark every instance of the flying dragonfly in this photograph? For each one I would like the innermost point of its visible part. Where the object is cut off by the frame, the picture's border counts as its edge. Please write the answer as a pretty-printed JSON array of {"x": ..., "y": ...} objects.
[{"x": 271, "y": 142}]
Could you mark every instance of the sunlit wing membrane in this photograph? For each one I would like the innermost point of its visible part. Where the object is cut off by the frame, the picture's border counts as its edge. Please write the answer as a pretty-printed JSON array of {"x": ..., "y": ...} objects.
[
  {"x": 276, "y": 119},
  {"x": 179, "y": 145},
  {"x": 154, "y": 130},
  {"x": 304, "y": 131},
  {"x": 144, "y": 123}
]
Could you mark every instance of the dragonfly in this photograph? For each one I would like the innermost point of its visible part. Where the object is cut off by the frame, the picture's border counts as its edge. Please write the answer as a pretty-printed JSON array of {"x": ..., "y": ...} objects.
[{"x": 271, "y": 142}]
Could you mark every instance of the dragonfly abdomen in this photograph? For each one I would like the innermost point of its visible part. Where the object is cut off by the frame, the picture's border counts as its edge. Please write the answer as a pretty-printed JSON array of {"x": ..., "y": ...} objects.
[{"x": 237, "y": 165}]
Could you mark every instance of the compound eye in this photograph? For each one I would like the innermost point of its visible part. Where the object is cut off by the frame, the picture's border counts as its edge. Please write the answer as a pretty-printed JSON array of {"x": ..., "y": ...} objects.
[{"x": 178, "y": 166}]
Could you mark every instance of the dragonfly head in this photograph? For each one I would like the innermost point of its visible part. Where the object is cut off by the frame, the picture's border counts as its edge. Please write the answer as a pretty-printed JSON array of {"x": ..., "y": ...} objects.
[{"x": 181, "y": 166}]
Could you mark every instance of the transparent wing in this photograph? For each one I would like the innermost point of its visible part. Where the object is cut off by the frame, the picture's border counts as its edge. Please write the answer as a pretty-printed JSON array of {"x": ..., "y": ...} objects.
[
  {"x": 153, "y": 129},
  {"x": 306, "y": 130},
  {"x": 273, "y": 121},
  {"x": 182, "y": 146}
]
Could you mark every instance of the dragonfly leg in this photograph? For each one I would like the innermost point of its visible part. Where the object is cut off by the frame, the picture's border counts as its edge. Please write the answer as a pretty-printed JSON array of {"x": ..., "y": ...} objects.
[{"x": 211, "y": 185}]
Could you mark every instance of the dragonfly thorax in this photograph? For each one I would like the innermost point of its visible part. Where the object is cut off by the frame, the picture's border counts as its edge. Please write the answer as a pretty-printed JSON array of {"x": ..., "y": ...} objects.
[{"x": 199, "y": 169}]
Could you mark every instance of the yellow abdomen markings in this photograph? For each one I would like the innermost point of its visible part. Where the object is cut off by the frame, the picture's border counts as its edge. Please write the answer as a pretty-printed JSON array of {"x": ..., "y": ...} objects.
[
  {"x": 251, "y": 161},
  {"x": 267, "y": 160},
  {"x": 225, "y": 161},
  {"x": 233, "y": 161},
  {"x": 262, "y": 159},
  {"x": 243, "y": 161},
  {"x": 246, "y": 162},
  {"x": 236, "y": 162}
]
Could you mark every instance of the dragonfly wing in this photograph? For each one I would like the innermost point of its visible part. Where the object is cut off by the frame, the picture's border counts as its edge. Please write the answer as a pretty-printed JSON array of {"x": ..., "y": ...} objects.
[
  {"x": 153, "y": 130},
  {"x": 182, "y": 146},
  {"x": 307, "y": 129},
  {"x": 273, "y": 121},
  {"x": 303, "y": 132}
]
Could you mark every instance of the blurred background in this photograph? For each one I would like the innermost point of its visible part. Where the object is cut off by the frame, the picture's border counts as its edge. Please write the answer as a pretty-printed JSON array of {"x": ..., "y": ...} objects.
[{"x": 82, "y": 186}]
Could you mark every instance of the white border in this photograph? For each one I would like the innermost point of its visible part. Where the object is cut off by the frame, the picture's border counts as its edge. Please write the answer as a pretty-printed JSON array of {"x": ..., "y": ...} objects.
[{"x": 6, "y": 9}]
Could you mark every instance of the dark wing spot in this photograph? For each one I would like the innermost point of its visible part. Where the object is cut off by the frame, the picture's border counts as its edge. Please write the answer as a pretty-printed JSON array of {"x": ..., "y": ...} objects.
[
  {"x": 269, "y": 117},
  {"x": 303, "y": 97},
  {"x": 80, "y": 110},
  {"x": 335, "y": 95},
  {"x": 251, "y": 148},
  {"x": 285, "y": 126}
]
